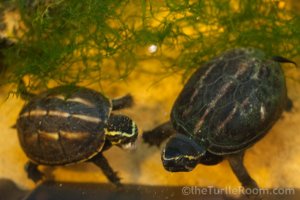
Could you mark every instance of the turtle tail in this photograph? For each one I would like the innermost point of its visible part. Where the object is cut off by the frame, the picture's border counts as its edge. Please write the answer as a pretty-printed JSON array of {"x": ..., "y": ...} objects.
[{"x": 283, "y": 60}]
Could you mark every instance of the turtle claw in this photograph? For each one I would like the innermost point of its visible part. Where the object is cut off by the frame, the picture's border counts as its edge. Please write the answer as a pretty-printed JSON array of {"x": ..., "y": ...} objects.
[
  {"x": 36, "y": 176},
  {"x": 289, "y": 105},
  {"x": 33, "y": 173},
  {"x": 113, "y": 177},
  {"x": 116, "y": 180},
  {"x": 110, "y": 174}
]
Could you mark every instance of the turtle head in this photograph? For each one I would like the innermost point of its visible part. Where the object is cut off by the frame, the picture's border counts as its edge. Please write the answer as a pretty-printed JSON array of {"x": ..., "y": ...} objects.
[
  {"x": 121, "y": 131},
  {"x": 181, "y": 154}
]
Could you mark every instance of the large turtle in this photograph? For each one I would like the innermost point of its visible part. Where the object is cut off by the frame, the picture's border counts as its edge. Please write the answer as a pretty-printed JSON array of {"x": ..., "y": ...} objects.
[
  {"x": 226, "y": 106},
  {"x": 71, "y": 124}
]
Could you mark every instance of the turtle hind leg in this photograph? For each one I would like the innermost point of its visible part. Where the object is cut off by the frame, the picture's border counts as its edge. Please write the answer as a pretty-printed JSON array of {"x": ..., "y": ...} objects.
[
  {"x": 123, "y": 102},
  {"x": 158, "y": 134},
  {"x": 103, "y": 164},
  {"x": 238, "y": 168},
  {"x": 32, "y": 172}
]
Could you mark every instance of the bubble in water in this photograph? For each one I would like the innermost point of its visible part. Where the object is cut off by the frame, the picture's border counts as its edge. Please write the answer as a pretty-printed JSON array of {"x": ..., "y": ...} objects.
[{"x": 152, "y": 48}]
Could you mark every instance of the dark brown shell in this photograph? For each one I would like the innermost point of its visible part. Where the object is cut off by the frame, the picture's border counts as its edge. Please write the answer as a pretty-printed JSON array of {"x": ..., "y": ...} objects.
[
  {"x": 231, "y": 102},
  {"x": 63, "y": 125}
]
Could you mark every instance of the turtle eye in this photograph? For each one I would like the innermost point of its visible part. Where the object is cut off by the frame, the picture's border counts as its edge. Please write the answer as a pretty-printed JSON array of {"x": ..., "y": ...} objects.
[{"x": 181, "y": 154}]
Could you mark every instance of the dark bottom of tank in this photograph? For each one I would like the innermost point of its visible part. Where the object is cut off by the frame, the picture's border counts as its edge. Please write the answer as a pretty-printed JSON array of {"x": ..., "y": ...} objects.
[{"x": 93, "y": 191}]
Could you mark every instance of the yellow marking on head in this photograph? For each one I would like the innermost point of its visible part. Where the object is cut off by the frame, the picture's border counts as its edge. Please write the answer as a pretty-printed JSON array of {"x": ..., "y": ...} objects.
[
  {"x": 182, "y": 156},
  {"x": 191, "y": 157},
  {"x": 87, "y": 118},
  {"x": 49, "y": 135},
  {"x": 125, "y": 134},
  {"x": 114, "y": 133},
  {"x": 133, "y": 128},
  {"x": 115, "y": 142},
  {"x": 74, "y": 135}
]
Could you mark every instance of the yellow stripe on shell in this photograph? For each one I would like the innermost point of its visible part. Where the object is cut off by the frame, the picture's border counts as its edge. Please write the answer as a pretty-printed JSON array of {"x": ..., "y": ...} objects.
[
  {"x": 37, "y": 112},
  {"x": 61, "y": 97},
  {"x": 73, "y": 135},
  {"x": 56, "y": 113},
  {"x": 32, "y": 138},
  {"x": 75, "y": 99},
  {"x": 87, "y": 118},
  {"x": 80, "y": 100},
  {"x": 48, "y": 135}
]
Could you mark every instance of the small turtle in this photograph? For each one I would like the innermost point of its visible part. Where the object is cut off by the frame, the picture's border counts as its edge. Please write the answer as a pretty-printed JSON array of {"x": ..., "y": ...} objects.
[
  {"x": 71, "y": 124},
  {"x": 225, "y": 107}
]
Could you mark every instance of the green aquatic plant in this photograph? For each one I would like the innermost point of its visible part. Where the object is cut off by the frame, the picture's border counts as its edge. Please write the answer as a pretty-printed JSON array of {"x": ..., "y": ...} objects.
[{"x": 71, "y": 42}]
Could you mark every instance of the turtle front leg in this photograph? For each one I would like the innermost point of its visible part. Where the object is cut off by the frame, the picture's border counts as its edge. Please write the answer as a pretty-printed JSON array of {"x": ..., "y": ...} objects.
[
  {"x": 159, "y": 134},
  {"x": 32, "y": 171},
  {"x": 123, "y": 102},
  {"x": 103, "y": 164},
  {"x": 237, "y": 166}
]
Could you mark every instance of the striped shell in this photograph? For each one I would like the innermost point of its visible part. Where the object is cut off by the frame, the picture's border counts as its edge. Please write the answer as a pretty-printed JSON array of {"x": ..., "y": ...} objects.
[
  {"x": 232, "y": 101},
  {"x": 63, "y": 125}
]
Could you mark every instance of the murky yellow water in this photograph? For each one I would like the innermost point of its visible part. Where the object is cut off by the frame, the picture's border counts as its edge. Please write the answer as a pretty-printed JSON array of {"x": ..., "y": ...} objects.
[{"x": 273, "y": 162}]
